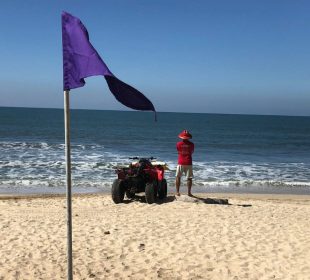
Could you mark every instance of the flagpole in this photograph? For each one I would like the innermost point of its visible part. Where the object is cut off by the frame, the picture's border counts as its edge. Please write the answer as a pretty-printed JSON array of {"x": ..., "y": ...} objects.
[{"x": 68, "y": 173}]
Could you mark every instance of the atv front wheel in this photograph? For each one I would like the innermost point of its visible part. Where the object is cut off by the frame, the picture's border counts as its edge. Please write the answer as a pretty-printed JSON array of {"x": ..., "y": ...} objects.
[
  {"x": 150, "y": 192},
  {"x": 118, "y": 191},
  {"x": 162, "y": 189}
]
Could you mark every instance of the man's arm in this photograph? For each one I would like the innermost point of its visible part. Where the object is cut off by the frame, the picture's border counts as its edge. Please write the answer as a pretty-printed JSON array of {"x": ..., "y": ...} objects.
[{"x": 178, "y": 146}]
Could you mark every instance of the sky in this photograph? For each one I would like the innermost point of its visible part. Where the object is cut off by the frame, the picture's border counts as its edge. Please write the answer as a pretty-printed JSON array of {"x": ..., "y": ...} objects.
[{"x": 232, "y": 57}]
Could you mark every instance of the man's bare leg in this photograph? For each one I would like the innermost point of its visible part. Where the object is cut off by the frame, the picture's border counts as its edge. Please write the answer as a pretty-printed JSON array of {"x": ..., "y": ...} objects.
[
  {"x": 177, "y": 185},
  {"x": 189, "y": 186}
]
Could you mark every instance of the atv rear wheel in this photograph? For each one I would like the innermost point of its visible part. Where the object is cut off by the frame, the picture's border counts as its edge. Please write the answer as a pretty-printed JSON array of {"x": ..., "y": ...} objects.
[
  {"x": 162, "y": 189},
  {"x": 118, "y": 191},
  {"x": 150, "y": 192}
]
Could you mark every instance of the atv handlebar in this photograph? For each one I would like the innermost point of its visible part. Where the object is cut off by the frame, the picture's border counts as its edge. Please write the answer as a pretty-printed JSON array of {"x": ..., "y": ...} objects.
[{"x": 149, "y": 158}]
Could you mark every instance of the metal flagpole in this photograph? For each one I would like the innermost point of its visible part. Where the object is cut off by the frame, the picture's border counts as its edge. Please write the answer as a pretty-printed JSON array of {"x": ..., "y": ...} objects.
[{"x": 68, "y": 172}]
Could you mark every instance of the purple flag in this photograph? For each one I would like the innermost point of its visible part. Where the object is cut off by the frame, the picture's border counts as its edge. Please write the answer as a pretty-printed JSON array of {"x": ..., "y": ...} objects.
[{"x": 81, "y": 60}]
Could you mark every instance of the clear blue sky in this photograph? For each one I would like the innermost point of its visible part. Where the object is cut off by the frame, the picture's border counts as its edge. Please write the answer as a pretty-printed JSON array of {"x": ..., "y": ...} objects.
[{"x": 248, "y": 57}]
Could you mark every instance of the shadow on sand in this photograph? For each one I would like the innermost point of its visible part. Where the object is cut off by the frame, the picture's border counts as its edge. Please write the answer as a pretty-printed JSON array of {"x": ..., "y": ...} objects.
[
  {"x": 141, "y": 199},
  {"x": 185, "y": 198},
  {"x": 222, "y": 201}
]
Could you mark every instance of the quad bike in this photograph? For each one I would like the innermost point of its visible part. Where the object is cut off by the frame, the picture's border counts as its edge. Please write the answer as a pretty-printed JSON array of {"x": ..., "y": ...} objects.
[{"x": 142, "y": 175}]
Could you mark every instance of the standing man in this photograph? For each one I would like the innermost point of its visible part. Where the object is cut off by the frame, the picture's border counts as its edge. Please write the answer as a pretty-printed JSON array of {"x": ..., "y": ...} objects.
[{"x": 185, "y": 150}]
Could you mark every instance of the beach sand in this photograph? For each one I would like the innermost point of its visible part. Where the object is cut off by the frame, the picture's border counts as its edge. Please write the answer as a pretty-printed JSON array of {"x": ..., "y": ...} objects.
[{"x": 255, "y": 237}]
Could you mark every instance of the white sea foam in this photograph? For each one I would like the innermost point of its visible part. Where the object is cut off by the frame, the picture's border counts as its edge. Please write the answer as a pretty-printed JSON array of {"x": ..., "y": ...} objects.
[{"x": 43, "y": 164}]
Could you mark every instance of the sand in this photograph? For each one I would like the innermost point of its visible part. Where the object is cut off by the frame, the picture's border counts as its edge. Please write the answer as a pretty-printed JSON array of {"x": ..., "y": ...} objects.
[{"x": 255, "y": 237}]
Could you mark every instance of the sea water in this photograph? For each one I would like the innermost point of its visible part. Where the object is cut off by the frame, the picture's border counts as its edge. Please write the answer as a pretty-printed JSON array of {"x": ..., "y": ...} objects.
[{"x": 238, "y": 153}]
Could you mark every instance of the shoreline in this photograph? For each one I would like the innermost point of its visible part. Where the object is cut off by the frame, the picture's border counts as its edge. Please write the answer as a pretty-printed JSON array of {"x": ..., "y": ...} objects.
[
  {"x": 227, "y": 195},
  {"x": 255, "y": 190}
]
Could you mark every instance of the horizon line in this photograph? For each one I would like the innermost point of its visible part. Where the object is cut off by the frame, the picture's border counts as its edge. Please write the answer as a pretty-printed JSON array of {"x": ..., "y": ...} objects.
[{"x": 173, "y": 112}]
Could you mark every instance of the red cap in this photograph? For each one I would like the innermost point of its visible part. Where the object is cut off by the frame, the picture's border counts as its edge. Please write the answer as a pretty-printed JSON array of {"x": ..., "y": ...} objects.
[{"x": 185, "y": 135}]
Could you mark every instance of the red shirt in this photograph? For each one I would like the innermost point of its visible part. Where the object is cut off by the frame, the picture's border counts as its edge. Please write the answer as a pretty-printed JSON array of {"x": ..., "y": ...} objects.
[{"x": 185, "y": 149}]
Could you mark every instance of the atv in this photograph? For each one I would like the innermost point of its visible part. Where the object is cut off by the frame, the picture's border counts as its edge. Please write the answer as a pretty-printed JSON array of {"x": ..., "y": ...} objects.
[{"x": 142, "y": 175}]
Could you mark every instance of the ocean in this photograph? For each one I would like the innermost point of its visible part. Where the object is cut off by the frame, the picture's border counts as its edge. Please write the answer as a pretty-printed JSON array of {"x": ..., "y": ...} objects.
[{"x": 233, "y": 153}]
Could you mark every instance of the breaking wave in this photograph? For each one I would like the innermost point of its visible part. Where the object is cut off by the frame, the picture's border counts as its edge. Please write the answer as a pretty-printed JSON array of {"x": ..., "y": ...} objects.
[{"x": 42, "y": 165}]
